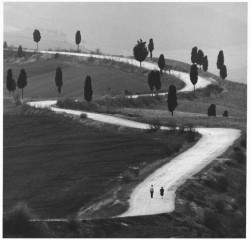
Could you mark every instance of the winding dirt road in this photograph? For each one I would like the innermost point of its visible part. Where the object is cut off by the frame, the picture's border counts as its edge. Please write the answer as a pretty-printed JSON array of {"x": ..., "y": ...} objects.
[{"x": 213, "y": 143}]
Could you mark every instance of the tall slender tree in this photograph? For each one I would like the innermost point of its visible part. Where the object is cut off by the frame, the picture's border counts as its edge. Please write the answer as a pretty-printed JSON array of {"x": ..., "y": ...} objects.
[
  {"x": 5, "y": 45},
  {"x": 161, "y": 63},
  {"x": 154, "y": 81},
  {"x": 220, "y": 59},
  {"x": 88, "y": 92},
  {"x": 200, "y": 56},
  {"x": 20, "y": 51},
  {"x": 78, "y": 38},
  {"x": 194, "y": 55},
  {"x": 36, "y": 37},
  {"x": 194, "y": 74},
  {"x": 223, "y": 72},
  {"x": 205, "y": 64},
  {"x": 9, "y": 81},
  {"x": 140, "y": 51},
  {"x": 172, "y": 99},
  {"x": 22, "y": 80},
  {"x": 59, "y": 79},
  {"x": 151, "y": 47}
]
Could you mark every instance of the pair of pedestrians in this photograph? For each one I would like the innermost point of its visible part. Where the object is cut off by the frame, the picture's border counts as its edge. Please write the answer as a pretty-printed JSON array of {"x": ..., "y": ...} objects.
[{"x": 152, "y": 192}]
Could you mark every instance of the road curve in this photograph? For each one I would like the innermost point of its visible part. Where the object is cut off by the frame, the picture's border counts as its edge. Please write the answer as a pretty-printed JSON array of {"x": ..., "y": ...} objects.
[{"x": 213, "y": 143}]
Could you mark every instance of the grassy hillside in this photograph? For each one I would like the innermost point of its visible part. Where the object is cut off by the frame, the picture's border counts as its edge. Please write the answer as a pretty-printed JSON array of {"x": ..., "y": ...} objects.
[
  {"x": 57, "y": 165},
  {"x": 105, "y": 74}
]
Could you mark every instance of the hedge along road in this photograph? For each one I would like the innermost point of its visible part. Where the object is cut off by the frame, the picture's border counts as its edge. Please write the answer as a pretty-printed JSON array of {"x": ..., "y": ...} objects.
[{"x": 213, "y": 143}]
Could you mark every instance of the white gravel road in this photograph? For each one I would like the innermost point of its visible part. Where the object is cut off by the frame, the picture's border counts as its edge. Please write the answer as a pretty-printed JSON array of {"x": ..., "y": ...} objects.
[{"x": 213, "y": 143}]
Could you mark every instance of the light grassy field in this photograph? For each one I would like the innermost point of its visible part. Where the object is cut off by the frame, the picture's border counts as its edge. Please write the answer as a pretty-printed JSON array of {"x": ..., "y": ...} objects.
[{"x": 105, "y": 74}]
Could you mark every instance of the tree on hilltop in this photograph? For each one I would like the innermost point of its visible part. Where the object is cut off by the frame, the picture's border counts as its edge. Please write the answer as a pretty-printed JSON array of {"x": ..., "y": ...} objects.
[
  {"x": 194, "y": 74},
  {"x": 200, "y": 57},
  {"x": 78, "y": 38},
  {"x": 140, "y": 51},
  {"x": 223, "y": 72},
  {"x": 20, "y": 51},
  {"x": 172, "y": 99},
  {"x": 154, "y": 81},
  {"x": 205, "y": 64},
  {"x": 5, "y": 45},
  {"x": 151, "y": 47},
  {"x": 9, "y": 81},
  {"x": 22, "y": 80},
  {"x": 194, "y": 55},
  {"x": 161, "y": 62},
  {"x": 58, "y": 79},
  {"x": 36, "y": 37},
  {"x": 88, "y": 92},
  {"x": 220, "y": 60}
]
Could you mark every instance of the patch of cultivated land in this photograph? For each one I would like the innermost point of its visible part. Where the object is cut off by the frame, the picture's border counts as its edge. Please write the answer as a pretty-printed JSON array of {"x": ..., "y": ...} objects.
[
  {"x": 105, "y": 74},
  {"x": 58, "y": 165}
]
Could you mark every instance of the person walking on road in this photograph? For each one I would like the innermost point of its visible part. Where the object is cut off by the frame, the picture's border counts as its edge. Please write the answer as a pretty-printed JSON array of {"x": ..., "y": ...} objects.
[
  {"x": 162, "y": 192},
  {"x": 152, "y": 191}
]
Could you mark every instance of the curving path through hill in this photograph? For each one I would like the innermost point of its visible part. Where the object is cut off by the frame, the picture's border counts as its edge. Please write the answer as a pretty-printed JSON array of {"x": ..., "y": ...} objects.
[{"x": 213, "y": 143}]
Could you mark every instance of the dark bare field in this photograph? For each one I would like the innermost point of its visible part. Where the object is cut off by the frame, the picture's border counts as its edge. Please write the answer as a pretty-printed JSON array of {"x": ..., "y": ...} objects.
[{"x": 57, "y": 165}]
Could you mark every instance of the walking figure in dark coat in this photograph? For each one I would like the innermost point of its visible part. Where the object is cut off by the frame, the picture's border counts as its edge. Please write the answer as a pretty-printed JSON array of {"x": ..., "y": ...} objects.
[
  {"x": 152, "y": 191},
  {"x": 162, "y": 192}
]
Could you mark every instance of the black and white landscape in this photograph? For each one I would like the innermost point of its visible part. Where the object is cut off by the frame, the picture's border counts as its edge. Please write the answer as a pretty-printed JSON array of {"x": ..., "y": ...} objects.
[{"x": 124, "y": 120}]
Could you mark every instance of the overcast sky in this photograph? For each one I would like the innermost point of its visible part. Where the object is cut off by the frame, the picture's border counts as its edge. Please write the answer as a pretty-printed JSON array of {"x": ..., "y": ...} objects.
[{"x": 116, "y": 27}]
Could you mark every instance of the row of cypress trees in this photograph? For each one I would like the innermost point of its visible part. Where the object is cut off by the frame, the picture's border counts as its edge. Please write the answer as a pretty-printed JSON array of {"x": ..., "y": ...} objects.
[
  {"x": 22, "y": 83},
  {"x": 11, "y": 82}
]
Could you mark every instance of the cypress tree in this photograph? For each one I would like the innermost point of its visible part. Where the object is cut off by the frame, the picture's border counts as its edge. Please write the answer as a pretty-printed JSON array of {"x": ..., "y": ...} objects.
[
  {"x": 154, "y": 81},
  {"x": 194, "y": 55},
  {"x": 172, "y": 99},
  {"x": 200, "y": 56},
  {"x": 9, "y": 81},
  {"x": 211, "y": 110},
  {"x": 223, "y": 72},
  {"x": 58, "y": 79},
  {"x": 220, "y": 60},
  {"x": 140, "y": 51},
  {"x": 5, "y": 45},
  {"x": 151, "y": 81},
  {"x": 194, "y": 74},
  {"x": 151, "y": 47},
  {"x": 20, "y": 51},
  {"x": 78, "y": 38},
  {"x": 161, "y": 62},
  {"x": 22, "y": 80},
  {"x": 88, "y": 92},
  {"x": 205, "y": 64},
  {"x": 36, "y": 37}
]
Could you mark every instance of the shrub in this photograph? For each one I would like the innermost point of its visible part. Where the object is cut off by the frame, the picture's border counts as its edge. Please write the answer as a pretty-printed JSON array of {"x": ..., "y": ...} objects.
[
  {"x": 212, "y": 89},
  {"x": 225, "y": 113},
  {"x": 211, "y": 110},
  {"x": 128, "y": 177},
  {"x": 239, "y": 156},
  {"x": 172, "y": 125},
  {"x": 17, "y": 100},
  {"x": 243, "y": 142},
  {"x": 155, "y": 125},
  {"x": 56, "y": 56},
  {"x": 217, "y": 168},
  {"x": 83, "y": 116},
  {"x": 16, "y": 223}
]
